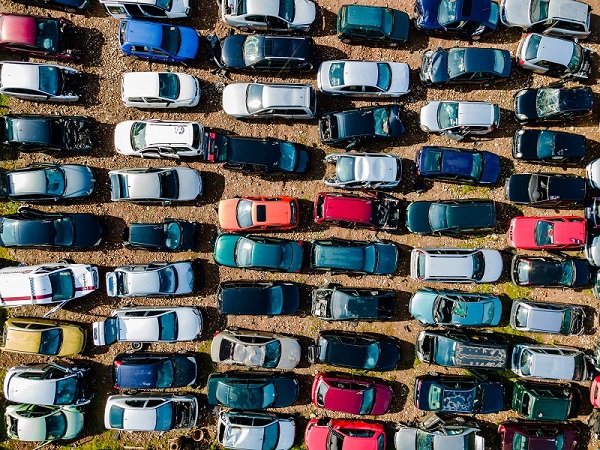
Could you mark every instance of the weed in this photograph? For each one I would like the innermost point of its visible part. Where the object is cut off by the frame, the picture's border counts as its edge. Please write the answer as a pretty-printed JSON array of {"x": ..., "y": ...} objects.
[
  {"x": 103, "y": 442},
  {"x": 513, "y": 291}
]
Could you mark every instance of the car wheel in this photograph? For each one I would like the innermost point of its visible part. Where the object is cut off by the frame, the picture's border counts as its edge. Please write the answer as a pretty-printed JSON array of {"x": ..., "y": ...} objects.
[
  {"x": 137, "y": 346},
  {"x": 476, "y": 38},
  {"x": 244, "y": 29},
  {"x": 346, "y": 41}
]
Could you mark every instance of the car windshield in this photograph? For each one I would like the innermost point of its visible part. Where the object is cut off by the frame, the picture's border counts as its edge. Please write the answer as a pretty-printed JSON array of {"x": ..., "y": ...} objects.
[
  {"x": 64, "y": 230},
  {"x": 56, "y": 426},
  {"x": 164, "y": 374},
  {"x": 167, "y": 327},
  {"x": 526, "y": 362},
  {"x": 538, "y": 10},
  {"x": 286, "y": 10},
  {"x": 275, "y": 305},
  {"x": 568, "y": 273},
  {"x": 244, "y": 214},
  {"x": 63, "y": 285},
  {"x": 321, "y": 393},
  {"x": 66, "y": 391},
  {"x": 434, "y": 398},
  {"x": 336, "y": 74},
  {"x": 164, "y": 4},
  {"x": 169, "y": 186},
  {"x": 372, "y": 356},
  {"x": 167, "y": 280},
  {"x": 520, "y": 442},
  {"x": 381, "y": 122},
  {"x": 55, "y": 181},
  {"x": 50, "y": 341},
  {"x": 521, "y": 316},
  {"x": 384, "y": 76},
  {"x": 50, "y": 80},
  {"x": 252, "y": 50},
  {"x": 478, "y": 265},
  {"x": 547, "y": 102},
  {"x": 443, "y": 353},
  {"x": 532, "y": 47},
  {"x": 272, "y": 354},
  {"x": 271, "y": 437},
  {"x": 367, "y": 401},
  {"x": 546, "y": 142},
  {"x": 335, "y": 440},
  {"x": 164, "y": 417},
  {"x": 168, "y": 86},
  {"x": 47, "y": 34},
  {"x": 438, "y": 219},
  {"x": 243, "y": 252},
  {"x": 544, "y": 232},
  {"x": 138, "y": 135},
  {"x": 477, "y": 167},
  {"x": 448, "y": 114},
  {"x": 424, "y": 440},
  {"x": 289, "y": 156},
  {"x": 456, "y": 61},
  {"x": 576, "y": 58},
  {"x": 171, "y": 39},
  {"x": 387, "y": 21},
  {"x": 344, "y": 169},
  {"x": 447, "y": 11},
  {"x": 254, "y": 95},
  {"x": 173, "y": 234}
]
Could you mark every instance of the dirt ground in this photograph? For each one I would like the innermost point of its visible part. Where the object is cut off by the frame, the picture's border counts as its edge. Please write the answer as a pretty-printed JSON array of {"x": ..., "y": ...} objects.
[{"x": 103, "y": 64}]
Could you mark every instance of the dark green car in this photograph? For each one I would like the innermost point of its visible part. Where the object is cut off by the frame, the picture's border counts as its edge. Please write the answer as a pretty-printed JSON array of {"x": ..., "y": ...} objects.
[
  {"x": 372, "y": 23},
  {"x": 450, "y": 217},
  {"x": 545, "y": 401}
]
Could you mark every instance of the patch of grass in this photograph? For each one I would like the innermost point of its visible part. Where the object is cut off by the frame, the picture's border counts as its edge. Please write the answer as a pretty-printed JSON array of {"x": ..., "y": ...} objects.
[
  {"x": 3, "y": 100},
  {"x": 513, "y": 291},
  {"x": 299, "y": 447},
  {"x": 103, "y": 442}
]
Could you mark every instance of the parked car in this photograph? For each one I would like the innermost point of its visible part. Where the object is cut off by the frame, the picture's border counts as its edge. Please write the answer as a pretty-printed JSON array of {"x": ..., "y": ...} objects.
[
  {"x": 363, "y": 23},
  {"x": 262, "y": 52},
  {"x": 455, "y": 265},
  {"x": 457, "y": 165},
  {"x": 364, "y": 170},
  {"x": 549, "y": 272},
  {"x": 459, "y": 119},
  {"x": 455, "y": 308},
  {"x": 547, "y": 232},
  {"x": 550, "y": 361},
  {"x": 460, "y": 436},
  {"x": 375, "y": 212},
  {"x": 147, "y": 9},
  {"x": 545, "y": 190},
  {"x": 31, "y": 228},
  {"x": 150, "y": 412},
  {"x": 450, "y": 217},
  {"x": 554, "y": 56},
  {"x": 529, "y": 435},
  {"x": 350, "y": 394},
  {"x": 546, "y": 146},
  {"x": 269, "y": 298},
  {"x": 270, "y": 100},
  {"x": 464, "y": 65},
  {"x": 255, "y": 349},
  {"x": 141, "y": 370},
  {"x": 42, "y": 337},
  {"x": 343, "y": 303},
  {"x": 38, "y": 36},
  {"x": 246, "y": 390},
  {"x": 258, "y": 253},
  {"x": 159, "y": 42},
  {"x": 159, "y": 90},
  {"x": 51, "y": 384},
  {"x": 360, "y": 257},
  {"x": 458, "y": 394},
  {"x": 321, "y": 433},
  {"x": 595, "y": 392},
  {"x": 39, "y": 82},
  {"x": 546, "y": 317},
  {"x": 241, "y": 430},
  {"x": 258, "y": 213},
  {"x": 163, "y": 185},
  {"x": 363, "y": 78},
  {"x": 549, "y": 103},
  {"x": 469, "y": 19},
  {"x": 151, "y": 280},
  {"x": 149, "y": 324},
  {"x": 592, "y": 173},
  {"x": 159, "y": 138},
  {"x": 43, "y": 423},
  {"x": 544, "y": 401},
  {"x": 569, "y": 18},
  {"x": 592, "y": 250},
  {"x": 72, "y": 6},
  {"x": 171, "y": 235},
  {"x": 364, "y": 351},
  {"x": 272, "y": 15},
  {"x": 462, "y": 349}
]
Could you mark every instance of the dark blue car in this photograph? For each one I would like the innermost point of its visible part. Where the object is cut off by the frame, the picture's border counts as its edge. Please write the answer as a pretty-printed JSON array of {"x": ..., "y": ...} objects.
[
  {"x": 158, "y": 41},
  {"x": 154, "y": 370},
  {"x": 458, "y": 165},
  {"x": 467, "y": 18}
]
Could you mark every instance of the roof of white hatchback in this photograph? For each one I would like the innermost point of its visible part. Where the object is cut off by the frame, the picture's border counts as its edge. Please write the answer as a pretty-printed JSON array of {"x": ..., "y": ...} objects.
[
  {"x": 555, "y": 49},
  {"x": 286, "y": 96},
  {"x": 475, "y": 113},
  {"x": 568, "y": 9},
  {"x": 20, "y": 76},
  {"x": 449, "y": 266},
  {"x": 262, "y": 7}
]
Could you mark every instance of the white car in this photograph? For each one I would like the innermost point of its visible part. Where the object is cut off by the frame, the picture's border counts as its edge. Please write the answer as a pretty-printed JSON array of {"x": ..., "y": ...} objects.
[
  {"x": 444, "y": 437},
  {"x": 265, "y": 100},
  {"x": 155, "y": 184},
  {"x": 159, "y": 90},
  {"x": 592, "y": 173},
  {"x": 159, "y": 138},
  {"x": 43, "y": 423},
  {"x": 150, "y": 412},
  {"x": 455, "y": 265},
  {"x": 364, "y": 78},
  {"x": 46, "y": 384},
  {"x": 151, "y": 280},
  {"x": 592, "y": 250},
  {"x": 151, "y": 324},
  {"x": 252, "y": 430},
  {"x": 570, "y": 18},
  {"x": 364, "y": 170},
  {"x": 147, "y": 9},
  {"x": 276, "y": 15},
  {"x": 255, "y": 349},
  {"x": 456, "y": 119},
  {"x": 39, "y": 82}
]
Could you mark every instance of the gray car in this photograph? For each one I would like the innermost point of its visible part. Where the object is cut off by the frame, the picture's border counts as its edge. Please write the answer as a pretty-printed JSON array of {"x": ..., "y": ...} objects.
[
  {"x": 457, "y": 119},
  {"x": 549, "y": 361},
  {"x": 455, "y": 265},
  {"x": 249, "y": 430},
  {"x": 544, "y": 317},
  {"x": 364, "y": 170},
  {"x": 442, "y": 437}
]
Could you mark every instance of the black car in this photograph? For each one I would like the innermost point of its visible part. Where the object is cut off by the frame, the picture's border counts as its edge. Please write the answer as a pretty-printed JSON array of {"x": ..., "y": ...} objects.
[
  {"x": 545, "y": 190},
  {"x": 362, "y": 125},
  {"x": 269, "y": 298},
  {"x": 464, "y": 65},
  {"x": 458, "y": 394},
  {"x": 549, "y": 272},
  {"x": 171, "y": 235},
  {"x": 339, "y": 303},
  {"x": 365, "y": 351},
  {"x": 548, "y": 146},
  {"x": 74, "y": 6},
  {"x": 154, "y": 370},
  {"x": 29, "y": 228},
  {"x": 263, "y": 53},
  {"x": 550, "y": 103},
  {"x": 32, "y": 132}
]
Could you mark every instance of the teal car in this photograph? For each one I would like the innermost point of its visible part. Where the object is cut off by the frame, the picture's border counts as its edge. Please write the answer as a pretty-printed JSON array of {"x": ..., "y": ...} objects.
[
  {"x": 361, "y": 257},
  {"x": 372, "y": 23},
  {"x": 450, "y": 217},
  {"x": 455, "y": 308},
  {"x": 258, "y": 253}
]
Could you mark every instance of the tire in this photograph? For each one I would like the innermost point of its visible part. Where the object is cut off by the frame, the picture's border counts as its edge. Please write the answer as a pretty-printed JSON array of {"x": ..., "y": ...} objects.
[
  {"x": 346, "y": 41},
  {"x": 137, "y": 346},
  {"x": 244, "y": 29}
]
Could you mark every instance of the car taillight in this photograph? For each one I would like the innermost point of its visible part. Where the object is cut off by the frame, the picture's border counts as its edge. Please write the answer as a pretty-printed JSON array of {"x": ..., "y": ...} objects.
[
  {"x": 216, "y": 332},
  {"x": 300, "y": 242},
  {"x": 118, "y": 363},
  {"x": 116, "y": 386},
  {"x": 521, "y": 61},
  {"x": 211, "y": 157},
  {"x": 212, "y": 135},
  {"x": 501, "y": 429}
]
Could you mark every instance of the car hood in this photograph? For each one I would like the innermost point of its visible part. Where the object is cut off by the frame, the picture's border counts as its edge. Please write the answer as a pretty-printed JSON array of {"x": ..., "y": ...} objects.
[
  {"x": 190, "y": 43},
  {"x": 515, "y": 13},
  {"x": 493, "y": 398},
  {"x": 420, "y": 306},
  {"x": 417, "y": 217},
  {"x": 491, "y": 168},
  {"x": 592, "y": 172},
  {"x": 122, "y": 137},
  {"x": 388, "y": 357},
  {"x": 305, "y": 12},
  {"x": 429, "y": 116},
  {"x": 88, "y": 231},
  {"x": 190, "y": 183},
  {"x": 592, "y": 251},
  {"x": 224, "y": 252},
  {"x": 493, "y": 266},
  {"x": 80, "y": 180},
  {"x": 232, "y": 54},
  {"x": 524, "y": 104},
  {"x": 234, "y": 99},
  {"x": 434, "y": 67},
  {"x": 406, "y": 439},
  {"x": 582, "y": 273},
  {"x": 517, "y": 188},
  {"x": 189, "y": 324},
  {"x": 290, "y": 353}
]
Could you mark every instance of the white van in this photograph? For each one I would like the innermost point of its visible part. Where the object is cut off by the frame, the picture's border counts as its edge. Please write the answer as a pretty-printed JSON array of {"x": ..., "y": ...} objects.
[
  {"x": 147, "y": 9},
  {"x": 46, "y": 284}
]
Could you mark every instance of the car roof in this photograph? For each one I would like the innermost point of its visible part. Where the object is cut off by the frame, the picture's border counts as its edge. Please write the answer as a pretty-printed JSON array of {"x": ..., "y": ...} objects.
[
  {"x": 555, "y": 49},
  {"x": 572, "y": 11},
  {"x": 262, "y": 7},
  {"x": 449, "y": 266},
  {"x": 363, "y": 15},
  {"x": 24, "y": 76},
  {"x": 142, "y": 32},
  {"x": 19, "y": 29},
  {"x": 285, "y": 95},
  {"x": 543, "y": 318},
  {"x": 475, "y": 113},
  {"x": 348, "y": 208},
  {"x": 552, "y": 366},
  {"x": 253, "y": 151}
]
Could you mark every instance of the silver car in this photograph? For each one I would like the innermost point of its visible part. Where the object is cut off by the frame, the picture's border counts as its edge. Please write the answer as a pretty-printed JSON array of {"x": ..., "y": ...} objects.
[
  {"x": 457, "y": 119},
  {"x": 251, "y": 430},
  {"x": 443, "y": 437},
  {"x": 364, "y": 170},
  {"x": 545, "y": 317},
  {"x": 550, "y": 362},
  {"x": 276, "y": 15},
  {"x": 38, "y": 81},
  {"x": 455, "y": 265}
]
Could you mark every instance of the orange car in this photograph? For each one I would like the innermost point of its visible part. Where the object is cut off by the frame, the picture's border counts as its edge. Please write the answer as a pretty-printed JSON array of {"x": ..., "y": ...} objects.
[{"x": 258, "y": 213}]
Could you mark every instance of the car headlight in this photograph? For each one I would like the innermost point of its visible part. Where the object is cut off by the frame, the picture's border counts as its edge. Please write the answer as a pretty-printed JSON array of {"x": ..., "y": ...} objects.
[
  {"x": 425, "y": 128},
  {"x": 521, "y": 117}
]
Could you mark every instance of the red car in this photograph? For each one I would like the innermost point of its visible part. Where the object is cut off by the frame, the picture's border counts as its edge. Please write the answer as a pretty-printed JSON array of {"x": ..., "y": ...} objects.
[
  {"x": 538, "y": 435},
  {"x": 258, "y": 213},
  {"x": 595, "y": 392},
  {"x": 353, "y": 396},
  {"x": 38, "y": 36},
  {"x": 377, "y": 212},
  {"x": 551, "y": 232},
  {"x": 338, "y": 434}
]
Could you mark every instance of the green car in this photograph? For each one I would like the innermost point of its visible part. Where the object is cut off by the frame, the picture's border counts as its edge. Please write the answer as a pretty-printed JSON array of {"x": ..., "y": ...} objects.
[
  {"x": 450, "y": 217},
  {"x": 545, "y": 401},
  {"x": 372, "y": 23}
]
